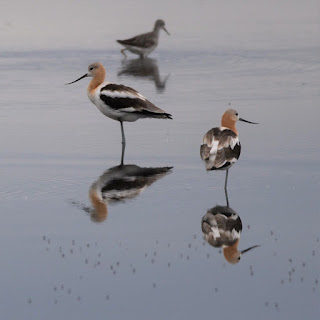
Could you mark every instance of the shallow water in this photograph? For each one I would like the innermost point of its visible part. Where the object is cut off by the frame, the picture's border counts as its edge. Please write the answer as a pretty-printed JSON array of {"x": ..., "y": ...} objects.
[{"x": 143, "y": 255}]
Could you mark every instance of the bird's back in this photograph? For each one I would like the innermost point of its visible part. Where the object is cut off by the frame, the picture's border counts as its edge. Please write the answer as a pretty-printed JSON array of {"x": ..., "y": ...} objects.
[
  {"x": 123, "y": 103},
  {"x": 145, "y": 40},
  {"x": 220, "y": 149}
]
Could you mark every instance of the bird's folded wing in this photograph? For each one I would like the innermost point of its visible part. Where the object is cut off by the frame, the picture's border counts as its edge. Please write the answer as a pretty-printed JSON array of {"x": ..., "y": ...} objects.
[
  {"x": 204, "y": 151},
  {"x": 126, "y": 99},
  {"x": 141, "y": 41},
  {"x": 222, "y": 147},
  {"x": 228, "y": 149},
  {"x": 210, "y": 143},
  {"x": 228, "y": 139}
]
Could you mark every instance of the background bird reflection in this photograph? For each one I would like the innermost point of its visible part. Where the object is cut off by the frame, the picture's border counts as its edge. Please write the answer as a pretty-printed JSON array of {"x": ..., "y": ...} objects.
[
  {"x": 146, "y": 68},
  {"x": 222, "y": 227}
]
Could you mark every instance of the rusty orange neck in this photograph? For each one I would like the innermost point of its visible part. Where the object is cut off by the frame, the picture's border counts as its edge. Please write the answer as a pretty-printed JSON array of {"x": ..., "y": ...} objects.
[
  {"x": 97, "y": 80},
  {"x": 229, "y": 123}
]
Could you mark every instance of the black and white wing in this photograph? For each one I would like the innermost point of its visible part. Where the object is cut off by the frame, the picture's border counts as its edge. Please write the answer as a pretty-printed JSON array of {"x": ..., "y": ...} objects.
[
  {"x": 220, "y": 148},
  {"x": 127, "y": 100}
]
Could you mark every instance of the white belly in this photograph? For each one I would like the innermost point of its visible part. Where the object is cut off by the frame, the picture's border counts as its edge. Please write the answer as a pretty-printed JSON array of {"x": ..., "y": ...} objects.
[{"x": 111, "y": 113}]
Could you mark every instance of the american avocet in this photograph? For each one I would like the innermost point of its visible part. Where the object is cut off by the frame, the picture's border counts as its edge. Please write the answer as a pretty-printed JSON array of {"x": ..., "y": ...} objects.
[
  {"x": 117, "y": 101},
  {"x": 222, "y": 227},
  {"x": 145, "y": 43},
  {"x": 221, "y": 147}
]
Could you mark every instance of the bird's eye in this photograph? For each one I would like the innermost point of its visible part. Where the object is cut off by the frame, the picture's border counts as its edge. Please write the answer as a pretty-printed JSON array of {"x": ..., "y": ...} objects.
[
  {"x": 239, "y": 258},
  {"x": 237, "y": 114},
  {"x": 91, "y": 69}
]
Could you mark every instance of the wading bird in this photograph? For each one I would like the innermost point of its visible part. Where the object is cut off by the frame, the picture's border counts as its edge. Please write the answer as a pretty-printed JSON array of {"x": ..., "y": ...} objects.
[
  {"x": 145, "y": 43},
  {"x": 117, "y": 101},
  {"x": 221, "y": 147}
]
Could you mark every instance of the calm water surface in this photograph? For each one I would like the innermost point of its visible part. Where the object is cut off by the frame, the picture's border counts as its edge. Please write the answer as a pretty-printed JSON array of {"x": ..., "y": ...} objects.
[{"x": 141, "y": 253}]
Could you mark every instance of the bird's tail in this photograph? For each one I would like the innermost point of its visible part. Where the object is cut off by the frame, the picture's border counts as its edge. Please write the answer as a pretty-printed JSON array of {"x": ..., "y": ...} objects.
[{"x": 156, "y": 115}]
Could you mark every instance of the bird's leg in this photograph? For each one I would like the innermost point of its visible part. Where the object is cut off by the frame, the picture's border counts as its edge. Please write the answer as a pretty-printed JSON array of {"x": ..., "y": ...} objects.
[
  {"x": 122, "y": 51},
  {"x": 226, "y": 181},
  {"x": 122, "y": 132}
]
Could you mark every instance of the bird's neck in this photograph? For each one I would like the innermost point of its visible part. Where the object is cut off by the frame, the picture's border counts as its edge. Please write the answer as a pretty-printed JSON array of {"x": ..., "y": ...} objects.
[
  {"x": 96, "y": 81},
  {"x": 228, "y": 123},
  {"x": 156, "y": 31}
]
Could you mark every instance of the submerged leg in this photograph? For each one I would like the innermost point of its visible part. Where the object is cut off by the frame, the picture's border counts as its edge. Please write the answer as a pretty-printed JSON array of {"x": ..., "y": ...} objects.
[
  {"x": 226, "y": 181},
  {"x": 122, "y": 51},
  {"x": 122, "y": 132}
]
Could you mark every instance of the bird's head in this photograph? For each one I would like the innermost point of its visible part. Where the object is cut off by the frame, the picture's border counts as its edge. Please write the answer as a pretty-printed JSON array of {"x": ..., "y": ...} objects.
[
  {"x": 160, "y": 24},
  {"x": 95, "y": 70}
]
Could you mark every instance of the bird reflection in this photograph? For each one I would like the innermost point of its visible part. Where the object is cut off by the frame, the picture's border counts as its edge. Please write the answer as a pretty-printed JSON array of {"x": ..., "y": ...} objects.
[
  {"x": 222, "y": 227},
  {"x": 118, "y": 184},
  {"x": 144, "y": 68}
]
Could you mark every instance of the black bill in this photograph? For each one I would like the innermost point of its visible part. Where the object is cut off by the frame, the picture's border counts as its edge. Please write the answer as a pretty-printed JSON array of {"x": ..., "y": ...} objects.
[{"x": 85, "y": 75}]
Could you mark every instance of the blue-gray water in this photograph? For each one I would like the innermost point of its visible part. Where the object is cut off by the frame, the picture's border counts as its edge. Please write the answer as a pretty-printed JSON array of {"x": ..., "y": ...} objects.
[{"x": 146, "y": 258}]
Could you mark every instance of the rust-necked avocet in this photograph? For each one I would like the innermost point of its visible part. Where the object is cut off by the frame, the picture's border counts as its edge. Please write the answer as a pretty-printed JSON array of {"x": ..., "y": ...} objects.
[
  {"x": 117, "y": 101},
  {"x": 145, "y": 43},
  {"x": 221, "y": 147}
]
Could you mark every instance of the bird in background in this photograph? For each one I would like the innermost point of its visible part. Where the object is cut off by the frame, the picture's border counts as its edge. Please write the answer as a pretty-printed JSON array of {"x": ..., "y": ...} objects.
[
  {"x": 221, "y": 147},
  {"x": 117, "y": 101},
  {"x": 144, "y": 44}
]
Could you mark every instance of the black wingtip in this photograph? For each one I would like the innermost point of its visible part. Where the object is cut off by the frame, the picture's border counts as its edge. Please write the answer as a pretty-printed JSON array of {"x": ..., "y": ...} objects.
[{"x": 168, "y": 115}]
